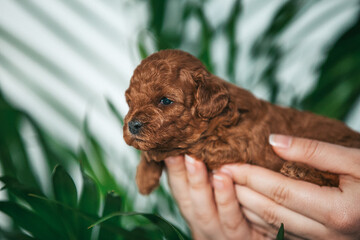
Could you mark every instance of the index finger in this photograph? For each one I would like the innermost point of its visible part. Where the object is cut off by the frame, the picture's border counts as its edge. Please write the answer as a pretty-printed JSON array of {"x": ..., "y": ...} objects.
[
  {"x": 323, "y": 156},
  {"x": 177, "y": 178}
]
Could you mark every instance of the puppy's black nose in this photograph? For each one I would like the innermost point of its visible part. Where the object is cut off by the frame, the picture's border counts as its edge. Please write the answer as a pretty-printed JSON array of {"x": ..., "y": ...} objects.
[{"x": 135, "y": 126}]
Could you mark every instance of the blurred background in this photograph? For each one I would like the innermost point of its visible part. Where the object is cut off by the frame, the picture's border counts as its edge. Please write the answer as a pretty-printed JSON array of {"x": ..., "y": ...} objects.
[{"x": 64, "y": 68}]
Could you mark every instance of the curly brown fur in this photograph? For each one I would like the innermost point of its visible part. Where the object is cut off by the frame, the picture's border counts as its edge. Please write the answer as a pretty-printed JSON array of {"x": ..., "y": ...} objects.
[{"x": 214, "y": 121}]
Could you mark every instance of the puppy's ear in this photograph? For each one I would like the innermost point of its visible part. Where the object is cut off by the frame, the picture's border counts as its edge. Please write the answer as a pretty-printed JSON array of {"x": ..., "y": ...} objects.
[{"x": 211, "y": 96}]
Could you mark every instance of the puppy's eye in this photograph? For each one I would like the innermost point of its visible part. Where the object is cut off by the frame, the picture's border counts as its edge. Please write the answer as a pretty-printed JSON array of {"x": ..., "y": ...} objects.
[{"x": 165, "y": 101}]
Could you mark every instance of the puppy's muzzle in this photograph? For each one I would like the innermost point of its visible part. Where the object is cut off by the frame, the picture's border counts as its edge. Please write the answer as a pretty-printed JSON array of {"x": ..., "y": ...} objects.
[{"x": 135, "y": 126}]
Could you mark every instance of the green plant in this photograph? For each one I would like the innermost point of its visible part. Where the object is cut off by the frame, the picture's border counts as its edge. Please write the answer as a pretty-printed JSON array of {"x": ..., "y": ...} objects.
[
  {"x": 337, "y": 85},
  {"x": 65, "y": 212},
  {"x": 280, "y": 235}
]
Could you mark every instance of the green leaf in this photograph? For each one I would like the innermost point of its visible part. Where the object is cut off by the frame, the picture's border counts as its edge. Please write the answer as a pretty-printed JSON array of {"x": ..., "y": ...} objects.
[
  {"x": 280, "y": 235},
  {"x": 89, "y": 203},
  {"x": 65, "y": 193},
  {"x": 14, "y": 235},
  {"x": 71, "y": 218},
  {"x": 97, "y": 161},
  {"x": 9, "y": 122},
  {"x": 28, "y": 220},
  {"x": 230, "y": 28},
  {"x": 85, "y": 164},
  {"x": 62, "y": 206},
  {"x": 90, "y": 196},
  {"x": 45, "y": 143},
  {"x": 115, "y": 112},
  {"x": 169, "y": 231},
  {"x": 158, "y": 10},
  {"x": 142, "y": 49},
  {"x": 283, "y": 17},
  {"x": 6, "y": 161},
  {"x": 338, "y": 86},
  {"x": 13, "y": 155},
  {"x": 66, "y": 215},
  {"x": 64, "y": 187},
  {"x": 45, "y": 210},
  {"x": 112, "y": 204}
]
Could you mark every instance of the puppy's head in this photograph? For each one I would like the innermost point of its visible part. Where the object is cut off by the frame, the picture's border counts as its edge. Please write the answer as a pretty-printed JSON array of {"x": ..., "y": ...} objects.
[{"x": 171, "y": 99}]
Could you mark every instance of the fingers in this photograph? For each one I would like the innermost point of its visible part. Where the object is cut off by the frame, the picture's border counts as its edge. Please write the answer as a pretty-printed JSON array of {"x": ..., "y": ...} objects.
[
  {"x": 177, "y": 175},
  {"x": 207, "y": 217},
  {"x": 308, "y": 199},
  {"x": 177, "y": 178},
  {"x": 232, "y": 221},
  {"x": 200, "y": 191},
  {"x": 269, "y": 215},
  {"x": 321, "y": 155},
  {"x": 191, "y": 188}
]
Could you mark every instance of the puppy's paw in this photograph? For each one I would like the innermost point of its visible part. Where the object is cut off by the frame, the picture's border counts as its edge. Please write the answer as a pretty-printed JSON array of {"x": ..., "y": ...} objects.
[
  {"x": 148, "y": 174},
  {"x": 146, "y": 184},
  {"x": 303, "y": 172}
]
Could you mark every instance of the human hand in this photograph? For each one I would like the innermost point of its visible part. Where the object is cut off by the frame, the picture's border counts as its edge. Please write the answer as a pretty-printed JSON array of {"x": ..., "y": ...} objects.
[
  {"x": 210, "y": 214},
  {"x": 307, "y": 210}
]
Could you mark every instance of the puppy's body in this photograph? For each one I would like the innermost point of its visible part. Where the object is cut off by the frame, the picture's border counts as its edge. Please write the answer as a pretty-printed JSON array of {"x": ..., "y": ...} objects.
[{"x": 214, "y": 121}]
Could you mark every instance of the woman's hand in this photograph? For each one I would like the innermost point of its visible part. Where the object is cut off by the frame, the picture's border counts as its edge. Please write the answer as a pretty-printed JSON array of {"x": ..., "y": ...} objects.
[
  {"x": 307, "y": 210},
  {"x": 210, "y": 216}
]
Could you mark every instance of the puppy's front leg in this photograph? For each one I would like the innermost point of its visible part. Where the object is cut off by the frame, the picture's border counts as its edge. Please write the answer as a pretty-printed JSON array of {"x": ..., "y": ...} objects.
[
  {"x": 148, "y": 174},
  {"x": 303, "y": 172}
]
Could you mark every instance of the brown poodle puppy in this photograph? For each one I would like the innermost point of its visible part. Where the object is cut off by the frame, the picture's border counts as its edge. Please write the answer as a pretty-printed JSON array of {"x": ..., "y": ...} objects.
[{"x": 178, "y": 107}]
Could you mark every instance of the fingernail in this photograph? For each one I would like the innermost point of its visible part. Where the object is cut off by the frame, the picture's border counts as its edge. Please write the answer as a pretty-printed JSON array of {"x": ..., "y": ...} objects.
[
  {"x": 190, "y": 164},
  {"x": 280, "y": 141},
  {"x": 218, "y": 182},
  {"x": 226, "y": 171},
  {"x": 172, "y": 160}
]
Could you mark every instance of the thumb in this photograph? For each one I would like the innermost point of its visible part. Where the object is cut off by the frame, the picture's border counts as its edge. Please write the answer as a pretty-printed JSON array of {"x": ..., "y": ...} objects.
[{"x": 321, "y": 155}]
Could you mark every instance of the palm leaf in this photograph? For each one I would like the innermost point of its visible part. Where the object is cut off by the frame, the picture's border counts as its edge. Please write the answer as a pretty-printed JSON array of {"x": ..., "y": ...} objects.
[
  {"x": 169, "y": 231},
  {"x": 28, "y": 220},
  {"x": 338, "y": 87}
]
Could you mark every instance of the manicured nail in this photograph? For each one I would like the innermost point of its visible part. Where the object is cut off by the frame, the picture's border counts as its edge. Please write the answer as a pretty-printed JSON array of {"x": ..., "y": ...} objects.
[
  {"x": 280, "y": 141},
  {"x": 190, "y": 164},
  {"x": 218, "y": 182}
]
